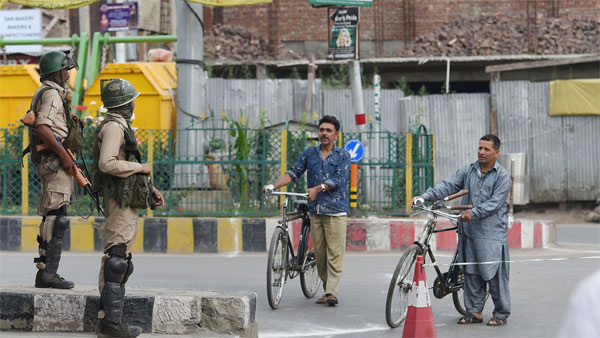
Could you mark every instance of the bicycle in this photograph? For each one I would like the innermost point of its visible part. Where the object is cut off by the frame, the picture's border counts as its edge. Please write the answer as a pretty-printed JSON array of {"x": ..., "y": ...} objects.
[
  {"x": 283, "y": 262},
  {"x": 452, "y": 281}
]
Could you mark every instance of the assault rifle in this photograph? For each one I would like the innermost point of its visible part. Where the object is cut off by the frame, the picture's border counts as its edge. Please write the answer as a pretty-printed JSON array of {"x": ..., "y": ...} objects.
[
  {"x": 83, "y": 181},
  {"x": 79, "y": 177}
]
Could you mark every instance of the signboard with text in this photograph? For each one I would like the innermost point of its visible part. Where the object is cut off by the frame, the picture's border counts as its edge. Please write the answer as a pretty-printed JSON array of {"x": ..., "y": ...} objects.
[
  {"x": 119, "y": 17},
  {"x": 21, "y": 24},
  {"x": 343, "y": 37},
  {"x": 341, "y": 2}
]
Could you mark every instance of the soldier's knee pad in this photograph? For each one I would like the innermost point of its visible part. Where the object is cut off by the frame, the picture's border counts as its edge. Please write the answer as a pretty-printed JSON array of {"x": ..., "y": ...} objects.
[
  {"x": 129, "y": 270},
  {"x": 115, "y": 267},
  {"x": 61, "y": 222}
]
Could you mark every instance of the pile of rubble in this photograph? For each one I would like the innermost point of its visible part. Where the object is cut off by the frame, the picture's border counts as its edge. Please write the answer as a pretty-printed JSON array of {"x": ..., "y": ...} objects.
[
  {"x": 227, "y": 42},
  {"x": 494, "y": 35}
]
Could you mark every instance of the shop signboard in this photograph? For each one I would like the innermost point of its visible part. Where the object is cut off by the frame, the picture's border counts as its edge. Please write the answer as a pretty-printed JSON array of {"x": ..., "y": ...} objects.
[
  {"x": 119, "y": 17},
  {"x": 343, "y": 37}
]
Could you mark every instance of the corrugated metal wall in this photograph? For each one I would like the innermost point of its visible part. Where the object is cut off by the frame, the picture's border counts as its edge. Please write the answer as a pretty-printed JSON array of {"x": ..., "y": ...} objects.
[
  {"x": 563, "y": 152},
  {"x": 338, "y": 102},
  {"x": 283, "y": 99},
  {"x": 456, "y": 120}
]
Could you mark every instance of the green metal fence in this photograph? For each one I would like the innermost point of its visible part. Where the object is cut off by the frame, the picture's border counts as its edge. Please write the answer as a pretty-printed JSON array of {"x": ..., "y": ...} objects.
[{"x": 229, "y": 166}]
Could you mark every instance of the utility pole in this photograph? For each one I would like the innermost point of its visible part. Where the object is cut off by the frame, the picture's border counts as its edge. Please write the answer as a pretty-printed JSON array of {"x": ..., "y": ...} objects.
[{"x": 191, "y": 90}]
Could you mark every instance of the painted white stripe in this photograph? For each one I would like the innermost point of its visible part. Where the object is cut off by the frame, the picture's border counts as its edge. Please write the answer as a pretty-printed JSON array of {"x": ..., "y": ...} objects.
[
  {"x": 516, "y": 261},
  {"x": 270, "y": 225},
  {"x": 378, "y": 235},
  {"x": 322, "y": 332},
  {"x": 572, "y": 250},
  {"x": 526, "y": 234}
]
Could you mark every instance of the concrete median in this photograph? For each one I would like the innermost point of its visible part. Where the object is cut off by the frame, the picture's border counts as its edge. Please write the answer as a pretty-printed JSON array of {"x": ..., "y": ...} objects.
[
  {"x": 161, "y": 311},
  {"x": 214, "y": 235}
]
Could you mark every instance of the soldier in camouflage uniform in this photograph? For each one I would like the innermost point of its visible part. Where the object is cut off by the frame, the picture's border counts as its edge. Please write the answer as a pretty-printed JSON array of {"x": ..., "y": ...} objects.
[
  {"x": 54, "y": 165},
  {"x": 115, "y": 168}
]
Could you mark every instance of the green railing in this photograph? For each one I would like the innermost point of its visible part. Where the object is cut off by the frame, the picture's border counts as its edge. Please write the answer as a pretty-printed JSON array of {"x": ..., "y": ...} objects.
[{"x": 225, "y": 178}]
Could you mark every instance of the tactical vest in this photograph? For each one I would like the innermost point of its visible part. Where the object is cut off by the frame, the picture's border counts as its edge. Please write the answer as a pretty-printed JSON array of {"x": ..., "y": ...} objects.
[
  {"x": 134, "y": 191},
  {"x": 74, "y": 139}
]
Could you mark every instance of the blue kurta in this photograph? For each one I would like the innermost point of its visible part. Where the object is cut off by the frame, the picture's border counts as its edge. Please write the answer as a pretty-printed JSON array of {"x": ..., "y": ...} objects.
[{"x": 485, "y": 237}]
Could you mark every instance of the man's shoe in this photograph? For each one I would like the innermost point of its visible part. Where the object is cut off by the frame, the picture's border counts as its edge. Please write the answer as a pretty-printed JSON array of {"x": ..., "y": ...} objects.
[
  {"x": 323, "y": 300},
  {"x": 57, "y": 282},
  {"x": 110, "y": 330},
  {"x": 332, "y": 300}
]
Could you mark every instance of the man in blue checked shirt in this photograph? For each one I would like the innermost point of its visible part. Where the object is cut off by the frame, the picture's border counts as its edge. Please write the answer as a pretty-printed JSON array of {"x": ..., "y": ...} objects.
[
  {"x": 484, "y": 235},
  {"x": 328, "y": 171}
]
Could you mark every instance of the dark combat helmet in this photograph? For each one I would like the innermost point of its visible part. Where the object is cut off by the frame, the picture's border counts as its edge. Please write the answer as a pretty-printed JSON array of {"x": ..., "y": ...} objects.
[
  {"x": 116, "y": 92},
  {"x": 55, "y": 61}
]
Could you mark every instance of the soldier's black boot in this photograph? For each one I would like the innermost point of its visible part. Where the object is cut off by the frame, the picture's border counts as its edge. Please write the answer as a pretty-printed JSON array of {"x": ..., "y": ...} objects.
[
  {"x": 107, "y": 329},
  {"x": 48, "y": 278},
  {"x": 56, "y": 282}
]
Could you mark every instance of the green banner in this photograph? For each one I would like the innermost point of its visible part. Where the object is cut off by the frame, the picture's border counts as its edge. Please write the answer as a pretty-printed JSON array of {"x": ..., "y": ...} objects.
[{"x": 341, "y": 2}]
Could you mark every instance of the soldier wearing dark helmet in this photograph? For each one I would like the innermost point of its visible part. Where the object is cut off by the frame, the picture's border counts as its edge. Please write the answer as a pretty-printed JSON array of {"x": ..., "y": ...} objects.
[
  {"x": 123, "y": 182},
  {"x": 53, "y": 126}
]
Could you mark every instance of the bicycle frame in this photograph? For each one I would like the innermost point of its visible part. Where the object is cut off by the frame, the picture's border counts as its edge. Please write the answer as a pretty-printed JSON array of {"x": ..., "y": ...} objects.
[
  {"x": 428, "y": 231},
  {"x": 297, "y": 263}
]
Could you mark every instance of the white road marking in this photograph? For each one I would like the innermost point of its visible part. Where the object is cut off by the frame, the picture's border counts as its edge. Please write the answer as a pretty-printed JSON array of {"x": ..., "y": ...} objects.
[{"x": 323, "y": 332}]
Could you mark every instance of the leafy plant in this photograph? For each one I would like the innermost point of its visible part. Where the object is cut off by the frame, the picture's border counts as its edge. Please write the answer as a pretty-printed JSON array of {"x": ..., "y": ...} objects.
[
  {"x": 242, "y": 147},
  {"x": 339, "y": 78},
  {"x": 402, "y": 84}
]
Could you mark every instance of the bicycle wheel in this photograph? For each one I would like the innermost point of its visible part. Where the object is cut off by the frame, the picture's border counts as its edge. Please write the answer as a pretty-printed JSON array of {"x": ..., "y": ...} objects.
[
  {"x": 309, "y": 277},
  {"x": 458, "y": 296},
  {"x": 396, "y": 304},
  {"x": 277, "y": 267}
]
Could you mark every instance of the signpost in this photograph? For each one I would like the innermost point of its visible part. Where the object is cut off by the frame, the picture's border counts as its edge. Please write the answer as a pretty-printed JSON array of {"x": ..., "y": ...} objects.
[
  {"x": 343, "y": 37},
  {"x": 357, "y": 151}
]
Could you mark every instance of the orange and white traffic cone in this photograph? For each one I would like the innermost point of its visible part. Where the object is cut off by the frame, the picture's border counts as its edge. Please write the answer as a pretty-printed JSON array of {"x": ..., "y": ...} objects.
[{"x": 419, "y": 318}]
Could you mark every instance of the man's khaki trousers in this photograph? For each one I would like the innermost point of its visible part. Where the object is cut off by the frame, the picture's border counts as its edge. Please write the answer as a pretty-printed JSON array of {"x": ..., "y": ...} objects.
[{"x": 329, "y": 238}]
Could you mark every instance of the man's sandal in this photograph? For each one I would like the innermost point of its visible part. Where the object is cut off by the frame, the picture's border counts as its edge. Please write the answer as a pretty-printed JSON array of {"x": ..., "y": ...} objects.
[
  {"x": 470, "y": 319},
  {"x": 496, "y": 322}
]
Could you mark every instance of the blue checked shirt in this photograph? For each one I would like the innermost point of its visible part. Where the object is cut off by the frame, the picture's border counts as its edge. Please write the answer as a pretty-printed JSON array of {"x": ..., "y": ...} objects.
[{"x": 333, "y": 171}]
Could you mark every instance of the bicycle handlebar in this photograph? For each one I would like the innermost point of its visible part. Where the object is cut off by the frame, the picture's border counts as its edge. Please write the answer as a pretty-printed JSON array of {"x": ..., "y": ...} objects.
[
  {"x": 457, "y": 195},
  {"x": 303, "y": 194}
]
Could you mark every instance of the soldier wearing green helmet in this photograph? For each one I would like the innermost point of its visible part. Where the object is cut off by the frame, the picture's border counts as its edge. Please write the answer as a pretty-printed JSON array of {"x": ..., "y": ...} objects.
[
  {"x": 53, "y": 126},
  {"x": 125, "y": 187}
]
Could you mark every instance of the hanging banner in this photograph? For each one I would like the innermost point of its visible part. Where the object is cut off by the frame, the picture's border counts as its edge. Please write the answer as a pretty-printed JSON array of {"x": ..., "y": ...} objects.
[
  {"x": 230, "y": 2},
  {"x": 575, "y": 97},
  {"x": 70, "y": 4},
  {"x": 343, "y": 38},
  {"x": 118, "y": 17},
  {"x": 341, "y": 2},
  {"x": 21, "y": 24},
  {"x": 50, "y": 4}
]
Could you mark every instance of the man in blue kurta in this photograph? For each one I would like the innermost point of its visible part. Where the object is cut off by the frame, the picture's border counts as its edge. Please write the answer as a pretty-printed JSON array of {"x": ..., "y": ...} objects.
[
  {"x": 484, "y": 236},
  {"x": 328, "y": 171}
]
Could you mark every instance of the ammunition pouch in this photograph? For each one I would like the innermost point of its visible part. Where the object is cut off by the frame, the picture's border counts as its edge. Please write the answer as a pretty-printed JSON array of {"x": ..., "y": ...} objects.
[{"x": 135, "y": 192}]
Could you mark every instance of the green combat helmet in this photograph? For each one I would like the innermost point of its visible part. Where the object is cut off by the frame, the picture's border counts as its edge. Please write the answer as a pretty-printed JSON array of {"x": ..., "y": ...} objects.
[
  {"x": 116, "y": 92},
  {"x": 55, "y": 61}
]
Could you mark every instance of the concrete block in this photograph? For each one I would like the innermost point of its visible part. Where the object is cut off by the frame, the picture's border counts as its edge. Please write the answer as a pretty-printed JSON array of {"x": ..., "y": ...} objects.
[
  {"x": 58, "y": 312},
  {"x": 176, "y": 315}
]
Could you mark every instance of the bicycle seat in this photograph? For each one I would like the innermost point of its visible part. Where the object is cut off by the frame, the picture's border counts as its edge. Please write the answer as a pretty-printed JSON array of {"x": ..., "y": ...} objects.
[{"x": 301, "y": 205}]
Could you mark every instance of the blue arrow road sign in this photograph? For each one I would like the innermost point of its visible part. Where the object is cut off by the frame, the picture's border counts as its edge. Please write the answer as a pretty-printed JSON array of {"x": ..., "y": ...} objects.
[{"x": 356, "y": 150}]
